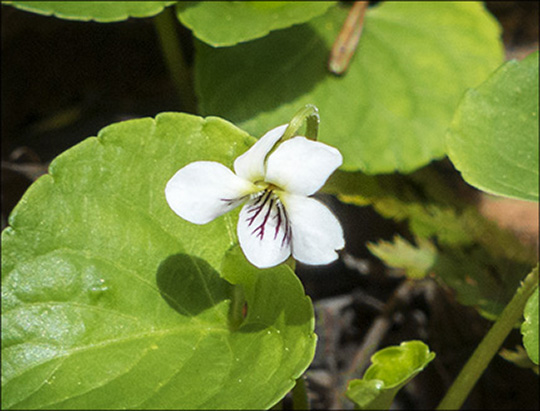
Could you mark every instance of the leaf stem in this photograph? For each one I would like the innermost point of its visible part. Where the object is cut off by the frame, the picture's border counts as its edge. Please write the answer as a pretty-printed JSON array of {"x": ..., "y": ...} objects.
[
  {"x": 299, "y": 393},
  {"x": 308, "y": 114},
  {"x": 174, "y": 59},
  {"x": 471, "y": 372}
]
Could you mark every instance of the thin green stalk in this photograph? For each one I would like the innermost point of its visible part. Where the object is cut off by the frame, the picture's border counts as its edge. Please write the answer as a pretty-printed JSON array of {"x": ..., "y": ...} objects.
[
  {"x": 309, "y": 115},
  {"x": 165, "y": 23},
  {"x": 299, "y": 393},
  {"x": 471, "y": 372}
]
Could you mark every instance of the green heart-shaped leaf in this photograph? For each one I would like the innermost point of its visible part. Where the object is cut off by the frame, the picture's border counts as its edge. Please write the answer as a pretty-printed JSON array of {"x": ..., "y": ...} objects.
[
  {"x": 391, "y": 369},
  {"x": 493, "y": 139},
  {"x": 101, "y": 11},
  {"x": 110, "y": 300},
  {"x": 529, "y": 328},
  {"x": 226, "y": 23},
  {"x": 390, "y": 111}
]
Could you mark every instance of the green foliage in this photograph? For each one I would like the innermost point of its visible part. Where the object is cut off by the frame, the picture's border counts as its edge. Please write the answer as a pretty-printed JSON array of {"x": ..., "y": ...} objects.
[
  {"x": 519, "y": 357},
  {"x": 482, "y": 262},
  {"x": 426, "y": 201},
  {"x": 391, "y": 369},
  {"x": 416, "y": 260},
  {"x": 392, "y": 108},
  {"x": 226, "y": 23},
  {"x": 478, "y": 279},
  {"x": 529, "y": 328},
  {"x": 109, "y": 300},
  {"x": 100, "y": 11},
  {"x": 493, "y": 139}
]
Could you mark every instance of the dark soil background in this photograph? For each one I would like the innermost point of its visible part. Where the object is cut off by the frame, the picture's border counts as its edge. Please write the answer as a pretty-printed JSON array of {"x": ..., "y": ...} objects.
[{"x": 62, "y": 81}]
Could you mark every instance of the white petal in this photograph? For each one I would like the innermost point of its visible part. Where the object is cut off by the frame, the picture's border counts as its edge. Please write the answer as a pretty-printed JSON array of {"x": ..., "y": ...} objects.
[
  {"x": 302, "y": 166},
  {"x": 250, "y": 165},
  {"x": 264, "y": 231},
  {"x": 204, "y": 190},
  {"x": 316, "y": 232}
]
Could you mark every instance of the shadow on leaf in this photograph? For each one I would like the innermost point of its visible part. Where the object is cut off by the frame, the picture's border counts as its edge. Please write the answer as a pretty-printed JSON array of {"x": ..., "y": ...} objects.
[
  {"x": 274, "y": 296},
  {"x": 190, "y": 285},
  {"x": 273, "y": 64}
]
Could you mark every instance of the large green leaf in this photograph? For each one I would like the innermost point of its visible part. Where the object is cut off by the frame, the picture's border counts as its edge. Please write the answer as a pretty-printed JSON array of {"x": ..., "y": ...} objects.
[
  {"x": 226, "y": 23},
  {"x": 529, "y": 328},
  {"x": 493, "y": 139},
  {"x": 101, "y": 11},
  {"x": 391, "y": 369},
  {"x": 391, "y": 109},
  {"x": 110, "y": 300}
]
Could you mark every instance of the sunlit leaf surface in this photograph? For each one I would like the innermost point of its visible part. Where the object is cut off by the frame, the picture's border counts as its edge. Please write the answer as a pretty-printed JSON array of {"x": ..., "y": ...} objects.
[
  {"x": 493, "y": 140},
  {"x": 391, "y": 369},
  {"x": 101, "y": 11},
  {"x": 226, "y": 23},
  {"x": 110, "y": 300},
  {"x": 391, "y": 110},
  {"x": 418, "y": 261}
]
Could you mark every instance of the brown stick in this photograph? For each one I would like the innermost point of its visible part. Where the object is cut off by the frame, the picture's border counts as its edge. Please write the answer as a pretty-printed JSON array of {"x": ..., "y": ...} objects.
[
  {"x": 374, "y": 336},
  {"x": 347, "y": 39}
]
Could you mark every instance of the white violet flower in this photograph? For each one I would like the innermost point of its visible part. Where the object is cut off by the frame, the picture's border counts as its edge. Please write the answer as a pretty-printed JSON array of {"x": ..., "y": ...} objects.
[{"x": 279, "y": 218}]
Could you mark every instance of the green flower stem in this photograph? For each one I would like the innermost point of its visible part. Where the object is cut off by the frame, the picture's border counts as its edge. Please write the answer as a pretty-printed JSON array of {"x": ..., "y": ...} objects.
[
  {"x": 299, "y": 393},
  {"x": 308, "y": 114},
  {"x": 174, "y": 59},
  {"x": 471, "y": 372}
]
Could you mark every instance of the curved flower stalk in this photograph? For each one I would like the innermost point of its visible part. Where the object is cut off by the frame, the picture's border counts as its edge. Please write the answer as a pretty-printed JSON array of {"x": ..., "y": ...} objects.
[{"x": 275, "y": 181}]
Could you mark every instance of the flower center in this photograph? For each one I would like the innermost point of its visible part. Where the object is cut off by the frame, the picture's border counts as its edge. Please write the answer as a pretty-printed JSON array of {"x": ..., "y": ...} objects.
[{"x": 267, "y": 215}]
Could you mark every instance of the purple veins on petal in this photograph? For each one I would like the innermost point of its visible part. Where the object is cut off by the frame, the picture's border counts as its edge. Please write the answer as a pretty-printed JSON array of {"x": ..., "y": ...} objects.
[
  {"x": 231, "y": 201},
  {"x": 287, "y": 234},
  {"x": 279, "y": 219},
  {"x": 260, "y": 229},
  {"x": 255, "y": 207},
  {"x": 228, "y": 201},
  {"x": 282, "y": 217},
  {"x": 262, "y": 207}
]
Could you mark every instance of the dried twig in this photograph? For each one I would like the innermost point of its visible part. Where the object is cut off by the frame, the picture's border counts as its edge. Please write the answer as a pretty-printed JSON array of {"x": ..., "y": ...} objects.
[
  {"x": 374, "y": 336},
  {"x": 347, "y": 39}
]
